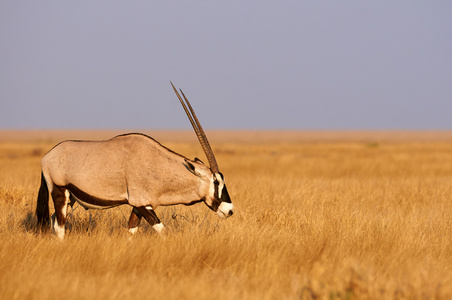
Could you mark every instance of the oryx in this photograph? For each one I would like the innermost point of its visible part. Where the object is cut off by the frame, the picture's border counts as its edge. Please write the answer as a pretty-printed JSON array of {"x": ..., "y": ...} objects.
[{"x": 131, "y": 169}]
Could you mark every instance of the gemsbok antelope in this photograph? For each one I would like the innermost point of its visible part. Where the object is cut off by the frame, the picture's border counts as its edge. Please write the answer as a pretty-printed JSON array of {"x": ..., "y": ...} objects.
[{"x": 131, "y": 169}]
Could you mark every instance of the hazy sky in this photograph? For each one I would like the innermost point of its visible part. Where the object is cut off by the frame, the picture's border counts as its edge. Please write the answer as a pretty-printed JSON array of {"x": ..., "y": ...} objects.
[{"x": 243, "y": 64}]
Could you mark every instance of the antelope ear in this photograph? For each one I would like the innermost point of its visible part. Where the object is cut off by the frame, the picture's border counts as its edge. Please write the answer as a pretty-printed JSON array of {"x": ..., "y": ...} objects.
[
  {"x": 198, "y": 160},
  {"x": 191, "y": 167}
]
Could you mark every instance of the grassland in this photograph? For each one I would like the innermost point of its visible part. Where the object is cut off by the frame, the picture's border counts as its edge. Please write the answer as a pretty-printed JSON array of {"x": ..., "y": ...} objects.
[{"x": 318, "y": 216}]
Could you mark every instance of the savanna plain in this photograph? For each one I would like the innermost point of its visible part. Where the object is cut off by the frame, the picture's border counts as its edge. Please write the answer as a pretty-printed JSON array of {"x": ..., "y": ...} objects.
[{"x": 318, "y": 215}]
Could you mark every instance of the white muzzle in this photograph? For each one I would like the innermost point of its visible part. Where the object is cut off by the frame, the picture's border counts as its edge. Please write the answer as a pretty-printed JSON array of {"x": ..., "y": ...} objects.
[{"x": 225, "y": 210}]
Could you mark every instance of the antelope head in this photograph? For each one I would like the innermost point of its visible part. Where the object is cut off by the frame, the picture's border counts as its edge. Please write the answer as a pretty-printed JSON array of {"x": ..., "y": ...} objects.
[{"x": 218, "y": 199}]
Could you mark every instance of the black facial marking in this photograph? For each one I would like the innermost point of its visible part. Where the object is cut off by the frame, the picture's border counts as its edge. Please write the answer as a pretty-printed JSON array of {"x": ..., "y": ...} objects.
[{"x": 225, "y": 195}]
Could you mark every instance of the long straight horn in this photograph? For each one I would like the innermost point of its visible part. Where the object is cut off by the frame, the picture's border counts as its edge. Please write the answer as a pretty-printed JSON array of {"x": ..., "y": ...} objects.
[{"x": 199, "y": 131}]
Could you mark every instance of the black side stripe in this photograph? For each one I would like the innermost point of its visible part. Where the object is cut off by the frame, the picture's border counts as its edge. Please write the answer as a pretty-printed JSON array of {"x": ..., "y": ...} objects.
[{"x": 85, "y": 197}]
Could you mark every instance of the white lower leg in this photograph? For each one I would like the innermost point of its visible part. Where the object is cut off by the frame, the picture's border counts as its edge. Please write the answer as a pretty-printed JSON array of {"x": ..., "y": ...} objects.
[
  {"x": 133, "y": 230},
  {"x": 59, "y": 230},
  {"x": 159, "y": 228}
]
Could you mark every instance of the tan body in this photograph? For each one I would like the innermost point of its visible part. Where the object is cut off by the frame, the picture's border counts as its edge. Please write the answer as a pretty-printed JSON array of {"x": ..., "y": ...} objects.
[{"x": 133, "y": 168}]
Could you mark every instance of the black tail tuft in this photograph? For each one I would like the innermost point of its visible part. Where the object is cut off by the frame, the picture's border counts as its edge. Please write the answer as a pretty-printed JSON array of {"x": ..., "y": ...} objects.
[{"x": 42, "y": 207}]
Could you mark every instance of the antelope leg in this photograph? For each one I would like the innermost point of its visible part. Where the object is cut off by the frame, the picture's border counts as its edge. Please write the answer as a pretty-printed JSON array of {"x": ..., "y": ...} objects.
[
  {"x": 60, "y": 198},
  {"x": 150, "y": 216},
  {"x": 134, "y": 220}
]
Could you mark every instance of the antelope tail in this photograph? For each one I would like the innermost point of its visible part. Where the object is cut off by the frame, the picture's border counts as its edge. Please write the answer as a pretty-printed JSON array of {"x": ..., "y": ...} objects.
[{"x": 42, "y": 207}]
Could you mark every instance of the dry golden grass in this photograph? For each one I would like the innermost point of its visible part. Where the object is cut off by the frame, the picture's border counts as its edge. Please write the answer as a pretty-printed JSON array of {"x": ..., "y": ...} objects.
[{"x": 318, "y": 216}]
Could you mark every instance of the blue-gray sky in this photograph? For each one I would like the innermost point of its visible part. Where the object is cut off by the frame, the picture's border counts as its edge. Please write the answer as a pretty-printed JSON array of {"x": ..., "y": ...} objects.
[{"x": 243, "y": 64}]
